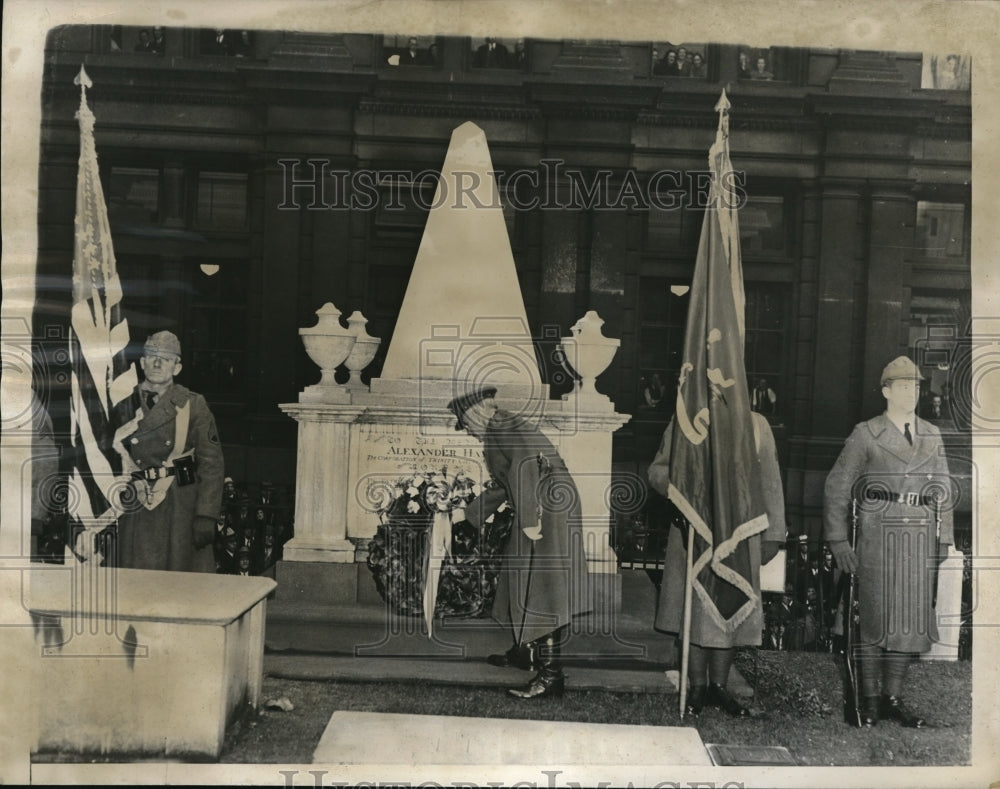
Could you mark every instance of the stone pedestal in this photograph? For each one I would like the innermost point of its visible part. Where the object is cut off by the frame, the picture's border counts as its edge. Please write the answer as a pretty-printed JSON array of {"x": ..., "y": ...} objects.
[
  {"x": 321, "y": 495},
  {"x": 350, "y": 456},
  {"x": 141, "y": 661}
]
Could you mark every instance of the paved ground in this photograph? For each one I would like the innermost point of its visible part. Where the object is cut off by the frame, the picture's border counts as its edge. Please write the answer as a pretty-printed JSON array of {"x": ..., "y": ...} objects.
[{"x": 364, "y": 643}]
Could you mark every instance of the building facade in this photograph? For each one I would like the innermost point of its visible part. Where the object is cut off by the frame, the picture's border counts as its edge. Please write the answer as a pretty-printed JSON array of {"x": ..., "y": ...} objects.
[{"x": 252, "y": 176}]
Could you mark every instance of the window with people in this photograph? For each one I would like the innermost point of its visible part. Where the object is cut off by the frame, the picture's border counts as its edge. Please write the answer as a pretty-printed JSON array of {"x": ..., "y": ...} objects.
[
  {"x": 761, "y": 65},
  {"x": 679, "y": 60},
  {"x": 499, "y": 53},
  {"x": 227, "y": 43},
  {"x": 411, "y": 51}
]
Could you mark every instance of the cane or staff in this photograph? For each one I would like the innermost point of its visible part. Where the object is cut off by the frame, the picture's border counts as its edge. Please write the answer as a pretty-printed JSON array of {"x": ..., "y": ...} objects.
[
  {"x": 686, "y": 626},
  {"x": 852, "y": 705}
]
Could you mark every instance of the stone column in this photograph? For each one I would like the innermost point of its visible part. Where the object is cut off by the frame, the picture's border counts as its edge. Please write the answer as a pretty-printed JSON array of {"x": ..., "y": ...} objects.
[
  {"x": 322, "y": 484},
  {"x": 893, "y": 214}
]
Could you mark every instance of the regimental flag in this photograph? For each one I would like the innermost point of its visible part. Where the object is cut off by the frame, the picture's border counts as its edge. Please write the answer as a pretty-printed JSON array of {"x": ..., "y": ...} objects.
[
  {"x": 714, "y": 477},
  {"x": 102, "y": 411}
]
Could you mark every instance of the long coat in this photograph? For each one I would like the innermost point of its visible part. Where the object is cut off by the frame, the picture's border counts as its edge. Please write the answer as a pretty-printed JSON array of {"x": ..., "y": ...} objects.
[
  {"x": 543, "y": 583},
  {"x": 705, "y": 631},
  {"x": 162, "y": 538},
  {"x": 896, "y": 543}
]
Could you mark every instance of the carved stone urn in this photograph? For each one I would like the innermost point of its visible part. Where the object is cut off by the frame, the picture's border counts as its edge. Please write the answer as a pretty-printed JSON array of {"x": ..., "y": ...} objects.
[
  {"x": 328, "y": 343},
  {"x": 364, "y": 350},
  {"x": 588, "y": 352}
]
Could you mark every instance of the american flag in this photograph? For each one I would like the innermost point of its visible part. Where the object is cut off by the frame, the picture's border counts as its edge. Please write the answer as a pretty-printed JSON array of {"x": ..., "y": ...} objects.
[{"x": 102, "y": 411}]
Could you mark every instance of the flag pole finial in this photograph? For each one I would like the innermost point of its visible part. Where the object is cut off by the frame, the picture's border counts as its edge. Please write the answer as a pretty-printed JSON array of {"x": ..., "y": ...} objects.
[
  {"x": 82, "y": 79},
  {"x": 722, "y": 105}
]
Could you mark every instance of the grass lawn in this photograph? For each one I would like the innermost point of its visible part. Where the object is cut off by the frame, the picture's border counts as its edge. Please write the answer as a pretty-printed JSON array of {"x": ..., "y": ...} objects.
[{"x": 798, "y": 705}]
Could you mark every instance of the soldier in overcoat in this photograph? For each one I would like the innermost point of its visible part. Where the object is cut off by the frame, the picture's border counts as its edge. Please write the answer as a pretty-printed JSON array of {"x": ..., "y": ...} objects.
[
  {"x": 178, "y": 471},
  {"x": 712, "y": 646},
  {"x": 543, "y": 580},
  {"x": 894, "y": 467}
]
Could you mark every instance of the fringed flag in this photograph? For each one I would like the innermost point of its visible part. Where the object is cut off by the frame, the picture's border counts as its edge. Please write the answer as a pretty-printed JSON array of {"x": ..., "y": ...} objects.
[
  {"x": 714, "y": 478},
  {"x": 102, "y": 411}
]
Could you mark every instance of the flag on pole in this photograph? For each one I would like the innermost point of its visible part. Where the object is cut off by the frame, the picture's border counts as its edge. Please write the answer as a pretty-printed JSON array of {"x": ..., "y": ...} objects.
[
  {"x": 714, "y": 479},
  {"x": 102, "y": 412}
]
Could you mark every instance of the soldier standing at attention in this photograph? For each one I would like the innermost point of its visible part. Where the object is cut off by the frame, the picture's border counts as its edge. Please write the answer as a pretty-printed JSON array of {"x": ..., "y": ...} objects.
[
  {"x": 179, "y": 476},
  {"x": 894, "y": 466}
]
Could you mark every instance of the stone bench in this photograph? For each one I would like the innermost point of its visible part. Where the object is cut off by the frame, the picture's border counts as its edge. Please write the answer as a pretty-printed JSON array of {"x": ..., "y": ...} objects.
[{"x": 143, "y": 662}]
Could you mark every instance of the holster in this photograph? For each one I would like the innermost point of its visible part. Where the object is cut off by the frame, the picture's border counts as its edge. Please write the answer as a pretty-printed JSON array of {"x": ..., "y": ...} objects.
[{"x": 185, "y": 468}]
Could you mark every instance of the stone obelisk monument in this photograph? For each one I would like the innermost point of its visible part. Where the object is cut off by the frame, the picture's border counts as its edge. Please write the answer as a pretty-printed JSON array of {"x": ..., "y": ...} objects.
[{"x": 462, "y": 325}]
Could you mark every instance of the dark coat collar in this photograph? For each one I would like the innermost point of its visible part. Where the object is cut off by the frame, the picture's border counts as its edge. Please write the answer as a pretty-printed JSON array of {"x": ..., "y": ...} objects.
[{"x": 166, "y": 407}]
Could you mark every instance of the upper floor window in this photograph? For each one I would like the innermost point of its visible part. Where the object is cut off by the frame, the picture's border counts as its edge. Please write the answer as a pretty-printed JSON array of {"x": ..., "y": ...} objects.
[
  {"x": 679, "y": 60},
  {"x": 226, "y": 43},
  {"x": 940, "y": 229},
  {"x": 761, "y": 65},
  {"x": 494, "y": 52},
  {"x": 133, "y": 196},
  {"x": 411, "y": 51},
  {"x": 222, "y": 201},
  {"x": 762, "y": 225},
  {"x": 946, "y": 72}
]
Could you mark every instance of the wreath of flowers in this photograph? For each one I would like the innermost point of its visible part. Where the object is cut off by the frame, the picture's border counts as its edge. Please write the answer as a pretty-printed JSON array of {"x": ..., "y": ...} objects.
[{"x": 396, "y": 555}]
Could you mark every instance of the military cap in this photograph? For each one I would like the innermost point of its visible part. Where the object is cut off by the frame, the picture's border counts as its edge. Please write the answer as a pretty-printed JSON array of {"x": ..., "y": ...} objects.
[
  {"x": 900, "y": 367},
  {"x": 162, "y": 342},
  {"x": 461, "y": 404}
]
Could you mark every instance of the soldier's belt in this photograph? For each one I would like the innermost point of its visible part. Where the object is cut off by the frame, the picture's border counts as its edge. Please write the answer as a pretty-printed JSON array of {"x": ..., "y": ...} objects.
[
  {"x": 154, "y": 473},
  {"x": 183, "y": 468},
  {"x": 910, "y": 499}
]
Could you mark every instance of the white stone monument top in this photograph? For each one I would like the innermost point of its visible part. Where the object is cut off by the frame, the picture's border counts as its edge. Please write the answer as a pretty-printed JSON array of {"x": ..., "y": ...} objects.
[{"x": 462, "y": 324}]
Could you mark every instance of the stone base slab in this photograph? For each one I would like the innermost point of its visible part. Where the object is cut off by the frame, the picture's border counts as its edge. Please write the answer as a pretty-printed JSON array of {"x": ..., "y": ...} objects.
[{"x": 387, "y": 738}]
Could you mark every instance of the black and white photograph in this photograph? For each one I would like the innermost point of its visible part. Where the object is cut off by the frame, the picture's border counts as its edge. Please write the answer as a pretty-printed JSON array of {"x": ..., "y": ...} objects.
[{"x": 466, "y": 394}]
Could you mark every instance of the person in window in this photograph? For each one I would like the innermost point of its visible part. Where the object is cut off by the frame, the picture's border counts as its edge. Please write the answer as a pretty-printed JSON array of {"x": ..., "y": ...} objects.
[
  {"x": 242, "y": 46},
  {"x": 761, "y": 72},
  {"x": 683, "y": 65},
  {"x": 178, "y": 480},
  {"x": 433, "y": 57},
  {"x": 412, "y": 55},
  {"x": 935, "y": 408},
  {"x": 519, "y": 57},
  {"x": 491, "y": 54},
  {"x": 763, "y": 398},
  {"x": 744, "y": 71},
  {"x": 543, "y": 577},
  {"x": 698, "y": 68},
  {"x": 145, "y": 42},
  {"x": 893, "y": 466},
  {"x": 159, "y": 43},
  {"x": 221, "y": 43},
  {"x": 667, "y": 67},
  {"x": 653, "y": 391}
]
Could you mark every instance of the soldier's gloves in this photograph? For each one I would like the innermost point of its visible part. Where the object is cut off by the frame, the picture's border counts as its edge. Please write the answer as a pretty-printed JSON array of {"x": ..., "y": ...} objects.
[
  {"x": 768, "y": 550},
  {"x": 846, "y": 558},
  {"x": 203, "y": 531},
  {"x": 533, "y": 532}
]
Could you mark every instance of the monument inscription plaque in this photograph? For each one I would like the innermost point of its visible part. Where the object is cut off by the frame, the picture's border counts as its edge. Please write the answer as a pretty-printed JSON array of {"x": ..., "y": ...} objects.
[{"x": 382, "y": 454}]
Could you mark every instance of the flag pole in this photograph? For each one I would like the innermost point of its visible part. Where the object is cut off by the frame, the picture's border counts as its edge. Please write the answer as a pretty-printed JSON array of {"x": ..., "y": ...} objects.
[
  {"x": 686, "y": 627},
  {"x": 730, "y": 238}
]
